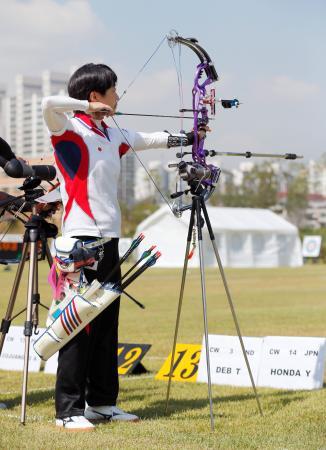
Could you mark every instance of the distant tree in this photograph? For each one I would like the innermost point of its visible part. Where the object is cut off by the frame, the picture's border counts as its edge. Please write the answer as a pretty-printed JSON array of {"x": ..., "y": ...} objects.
[
  {"x": 297, "y": 198},
  {"x": 258, "y": 189},
  {"x": 229, "y": 197}
]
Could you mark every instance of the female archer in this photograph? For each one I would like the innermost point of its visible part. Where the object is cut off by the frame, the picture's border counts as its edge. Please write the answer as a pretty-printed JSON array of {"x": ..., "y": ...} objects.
[{"x": 87, "y": 153}]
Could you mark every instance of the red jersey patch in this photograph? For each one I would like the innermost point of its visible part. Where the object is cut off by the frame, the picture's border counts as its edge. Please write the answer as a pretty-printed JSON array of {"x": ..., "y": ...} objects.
[{"x": 123, "y": 149}]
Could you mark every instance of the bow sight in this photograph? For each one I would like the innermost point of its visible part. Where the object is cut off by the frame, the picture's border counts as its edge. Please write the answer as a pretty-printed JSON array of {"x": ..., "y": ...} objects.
[{"x": 199, "y": 179}]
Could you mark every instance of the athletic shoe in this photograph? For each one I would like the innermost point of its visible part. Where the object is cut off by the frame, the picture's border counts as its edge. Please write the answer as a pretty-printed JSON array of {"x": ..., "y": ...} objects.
[
  {"x": 75, "y": 423},
  {"x": 109, "y": 414}
]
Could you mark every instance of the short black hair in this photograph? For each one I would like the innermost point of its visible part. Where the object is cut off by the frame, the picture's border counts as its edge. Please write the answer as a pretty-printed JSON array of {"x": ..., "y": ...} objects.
[{"x": 91, "y": 77}]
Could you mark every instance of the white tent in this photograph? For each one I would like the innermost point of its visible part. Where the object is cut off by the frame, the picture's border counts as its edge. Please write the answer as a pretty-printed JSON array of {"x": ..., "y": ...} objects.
[{"x": 245, "y": 237}]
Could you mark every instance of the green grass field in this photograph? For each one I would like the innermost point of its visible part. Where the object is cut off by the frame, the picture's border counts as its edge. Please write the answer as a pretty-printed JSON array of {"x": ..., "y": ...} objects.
[{"x": 268, "y": 302}]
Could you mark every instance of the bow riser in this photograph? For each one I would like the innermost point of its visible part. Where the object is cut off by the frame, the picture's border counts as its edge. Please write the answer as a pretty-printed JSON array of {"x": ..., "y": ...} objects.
[{"x": 198, "y": 97}]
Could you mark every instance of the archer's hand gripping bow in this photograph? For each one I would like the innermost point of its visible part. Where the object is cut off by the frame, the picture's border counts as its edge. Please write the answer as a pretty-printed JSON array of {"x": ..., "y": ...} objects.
[{"x": 200, "y": 176}]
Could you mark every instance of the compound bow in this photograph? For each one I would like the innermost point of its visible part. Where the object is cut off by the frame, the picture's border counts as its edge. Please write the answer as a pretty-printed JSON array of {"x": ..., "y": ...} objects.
[{"x": 200, "y": 176}]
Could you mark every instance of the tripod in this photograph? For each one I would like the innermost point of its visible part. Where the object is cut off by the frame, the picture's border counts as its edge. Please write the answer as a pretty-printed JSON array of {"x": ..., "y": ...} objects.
[
  {"x": 198, "y": 206},
  {"x": 37, "y": 230}
]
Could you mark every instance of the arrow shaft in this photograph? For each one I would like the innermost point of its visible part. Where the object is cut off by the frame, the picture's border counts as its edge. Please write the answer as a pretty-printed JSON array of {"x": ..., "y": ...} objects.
[{"x": 118, "y": 113}]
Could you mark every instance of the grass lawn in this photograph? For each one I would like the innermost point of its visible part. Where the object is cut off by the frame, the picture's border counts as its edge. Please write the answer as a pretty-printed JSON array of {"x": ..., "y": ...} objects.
[{"x": 268, "y": 302}]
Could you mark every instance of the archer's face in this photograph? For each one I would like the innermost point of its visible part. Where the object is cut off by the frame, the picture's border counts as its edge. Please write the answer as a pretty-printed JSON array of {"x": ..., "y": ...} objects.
[{"x": 110, "y": 98}]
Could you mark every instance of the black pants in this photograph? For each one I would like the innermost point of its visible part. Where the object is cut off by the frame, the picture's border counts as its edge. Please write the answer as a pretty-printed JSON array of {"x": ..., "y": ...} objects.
[{"x": 88, "y": 364}]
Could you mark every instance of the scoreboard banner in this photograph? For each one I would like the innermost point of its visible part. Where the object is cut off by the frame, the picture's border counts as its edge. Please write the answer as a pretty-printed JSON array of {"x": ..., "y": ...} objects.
[{"x": 283, "y": 362}]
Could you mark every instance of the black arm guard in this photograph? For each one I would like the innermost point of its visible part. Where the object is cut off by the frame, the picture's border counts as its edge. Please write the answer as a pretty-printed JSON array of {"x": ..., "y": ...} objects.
[{"x": 181, "y": 140}]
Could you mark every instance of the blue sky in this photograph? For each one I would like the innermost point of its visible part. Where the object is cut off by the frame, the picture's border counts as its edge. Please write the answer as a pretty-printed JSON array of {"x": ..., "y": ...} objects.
[{"x": 269, "y": 54}]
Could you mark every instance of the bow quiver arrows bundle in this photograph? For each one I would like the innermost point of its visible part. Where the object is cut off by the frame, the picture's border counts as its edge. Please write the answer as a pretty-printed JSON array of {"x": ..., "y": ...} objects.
[
  {"x": 78, "y": 313},
  {"x": 82, "y": 308}
]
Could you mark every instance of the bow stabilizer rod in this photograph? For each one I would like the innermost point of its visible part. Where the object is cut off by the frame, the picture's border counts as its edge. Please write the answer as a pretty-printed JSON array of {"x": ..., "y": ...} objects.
[{"x": 246, "y": 154}]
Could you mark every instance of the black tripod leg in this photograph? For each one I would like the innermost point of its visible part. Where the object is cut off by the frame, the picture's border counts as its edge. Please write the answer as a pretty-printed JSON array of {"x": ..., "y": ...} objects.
[
  {"x": 204, "y": 302},
  {"x": 5, "y": 324},
  {"x": 48, "y": 255},
  {"x": 228, "y": 294},
  {"x": 50, "y": 262},
  {"x": 36, "y": 296},
  {"x": 28, "y": 326},
  {"x": 184, "y": 273}
]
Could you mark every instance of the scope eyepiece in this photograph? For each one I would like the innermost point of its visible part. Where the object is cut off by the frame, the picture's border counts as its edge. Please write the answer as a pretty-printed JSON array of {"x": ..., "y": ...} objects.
[{"x": 16, "y": 168}]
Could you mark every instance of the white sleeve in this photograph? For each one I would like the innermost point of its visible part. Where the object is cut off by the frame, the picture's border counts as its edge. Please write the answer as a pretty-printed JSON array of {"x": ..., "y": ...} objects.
[
  {"x": 54, "y": 109},
  {"x": 143, "y": 141}
]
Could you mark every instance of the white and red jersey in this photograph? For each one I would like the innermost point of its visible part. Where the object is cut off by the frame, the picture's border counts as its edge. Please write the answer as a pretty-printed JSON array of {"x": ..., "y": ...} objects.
[{"x": 88, "y": 156}]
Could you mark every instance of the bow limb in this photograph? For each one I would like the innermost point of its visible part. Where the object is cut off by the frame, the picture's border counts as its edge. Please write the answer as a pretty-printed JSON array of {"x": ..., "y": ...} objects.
[{"x": 203, "y": 56}]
